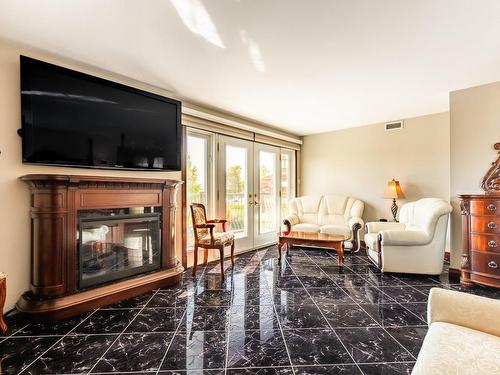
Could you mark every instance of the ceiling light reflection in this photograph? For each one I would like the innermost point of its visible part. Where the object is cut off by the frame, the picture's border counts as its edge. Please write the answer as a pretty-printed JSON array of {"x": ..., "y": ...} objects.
[
  {"x": 254, "y": 51},
  {"x": 196, "y": 18}
]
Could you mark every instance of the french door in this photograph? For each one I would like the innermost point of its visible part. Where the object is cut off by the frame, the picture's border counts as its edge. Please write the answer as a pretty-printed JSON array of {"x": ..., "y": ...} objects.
[
  {"x": 245, "y": 182},
  {"x": 249, "y": 190}
]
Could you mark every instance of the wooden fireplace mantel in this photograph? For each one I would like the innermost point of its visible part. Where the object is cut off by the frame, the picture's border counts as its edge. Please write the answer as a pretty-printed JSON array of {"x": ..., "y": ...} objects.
[{"x": 56, "y": 200}]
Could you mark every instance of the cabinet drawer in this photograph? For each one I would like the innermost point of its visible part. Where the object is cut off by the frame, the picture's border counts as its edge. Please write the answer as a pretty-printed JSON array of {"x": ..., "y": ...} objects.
[
  {"x": 485, "y": 224},
  {"x": 484, "y": 242},
  {"x": 485, "y": 263},
  {"x": 485, "y": 207}
]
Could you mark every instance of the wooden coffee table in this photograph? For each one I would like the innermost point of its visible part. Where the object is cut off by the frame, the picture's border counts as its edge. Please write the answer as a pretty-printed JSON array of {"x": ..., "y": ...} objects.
[{"x": 329, "y": 241}]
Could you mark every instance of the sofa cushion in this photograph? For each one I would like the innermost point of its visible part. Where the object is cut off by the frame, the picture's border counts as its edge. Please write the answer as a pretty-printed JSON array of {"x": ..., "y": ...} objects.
[
  {"x": 453, "y": 349},
  {"x": 339, "y": 230},
  {"x": 311, "y": 228},
  {"x": 306, "y": 208}
]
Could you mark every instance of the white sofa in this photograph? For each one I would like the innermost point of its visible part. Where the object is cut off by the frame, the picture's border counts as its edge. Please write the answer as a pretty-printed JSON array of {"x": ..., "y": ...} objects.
[
  {"x": 332, "y": 214},
  {"x": 463, "y": 335},
  {"x": 414, "y": 245}
]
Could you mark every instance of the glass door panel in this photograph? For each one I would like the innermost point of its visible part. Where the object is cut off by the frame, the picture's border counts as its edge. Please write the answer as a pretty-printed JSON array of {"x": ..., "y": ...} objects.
[
  {"x": 235, "y": 190},
  {"x": 198, "y": 176},
  {"x": 266, "y": 193},
  {"x": 287, "y": 180}
]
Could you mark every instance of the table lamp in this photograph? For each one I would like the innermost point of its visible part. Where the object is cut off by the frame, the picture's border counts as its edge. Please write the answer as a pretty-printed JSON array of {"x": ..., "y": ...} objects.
[{"x": 393, "y": 191}]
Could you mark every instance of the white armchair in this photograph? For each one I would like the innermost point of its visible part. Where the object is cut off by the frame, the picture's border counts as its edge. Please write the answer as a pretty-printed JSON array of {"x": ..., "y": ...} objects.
[
  {"x": 332, "y": 214},
  {"x": 414, "y": 245}
]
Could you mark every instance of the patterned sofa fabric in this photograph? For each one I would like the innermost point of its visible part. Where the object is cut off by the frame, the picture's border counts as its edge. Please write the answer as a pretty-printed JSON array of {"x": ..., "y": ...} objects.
[{"x": 463, "y": 336}]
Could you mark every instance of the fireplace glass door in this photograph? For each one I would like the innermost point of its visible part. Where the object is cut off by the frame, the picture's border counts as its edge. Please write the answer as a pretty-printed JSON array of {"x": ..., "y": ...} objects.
[{"x": 114, "y": 247}]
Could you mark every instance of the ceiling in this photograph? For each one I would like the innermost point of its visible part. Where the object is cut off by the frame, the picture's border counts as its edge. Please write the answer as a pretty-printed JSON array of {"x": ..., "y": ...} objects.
[{"x": 305, "y": 66}]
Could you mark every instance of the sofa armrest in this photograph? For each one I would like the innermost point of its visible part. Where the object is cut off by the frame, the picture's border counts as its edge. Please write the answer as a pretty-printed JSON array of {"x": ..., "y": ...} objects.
[
  {"x": 404, "y": 237},
  {"x": 463, "y": 309},
  {"x": 355, "y": 224},
  {"x": 377, "y": 226},
  {"x": 290, "y": 221}
]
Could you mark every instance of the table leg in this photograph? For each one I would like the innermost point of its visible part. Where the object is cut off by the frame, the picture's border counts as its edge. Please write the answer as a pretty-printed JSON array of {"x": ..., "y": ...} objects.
[
  {"x": 3, "y": 296},
  {"x": 340, "y": 252},
  {"x": 287, "y": 248},
  {"x": 280, "y": 244}
]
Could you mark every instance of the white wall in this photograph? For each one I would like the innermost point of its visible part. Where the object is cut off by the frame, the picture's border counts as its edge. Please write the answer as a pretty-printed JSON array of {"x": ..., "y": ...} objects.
[
  {"x": 359, "y": 161},
  {"x": 14, "y": 194},
  {"x": 474, "y": 129}
]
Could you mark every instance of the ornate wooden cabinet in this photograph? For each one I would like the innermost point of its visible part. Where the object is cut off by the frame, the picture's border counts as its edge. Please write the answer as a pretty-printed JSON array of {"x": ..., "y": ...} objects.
[{"x": 481, "y": 231}]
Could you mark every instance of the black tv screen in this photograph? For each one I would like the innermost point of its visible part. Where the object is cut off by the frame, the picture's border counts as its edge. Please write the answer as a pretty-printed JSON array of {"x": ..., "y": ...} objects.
[{"x": 75, "y": 119}]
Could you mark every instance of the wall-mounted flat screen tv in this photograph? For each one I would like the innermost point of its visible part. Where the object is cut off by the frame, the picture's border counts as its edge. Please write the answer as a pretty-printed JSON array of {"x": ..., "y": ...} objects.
[{"x": 75, "y": 119}]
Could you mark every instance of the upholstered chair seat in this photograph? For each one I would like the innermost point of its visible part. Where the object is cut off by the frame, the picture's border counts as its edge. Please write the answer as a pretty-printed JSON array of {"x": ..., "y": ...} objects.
[
  {"x": 416, "y": 244},
  {"x": 331, "y": 214},
  {"x": 219, "y": 239}
]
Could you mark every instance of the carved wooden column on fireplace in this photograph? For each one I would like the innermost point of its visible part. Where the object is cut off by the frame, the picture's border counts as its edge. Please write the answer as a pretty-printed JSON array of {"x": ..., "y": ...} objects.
[{"x": 66, "y": 209}]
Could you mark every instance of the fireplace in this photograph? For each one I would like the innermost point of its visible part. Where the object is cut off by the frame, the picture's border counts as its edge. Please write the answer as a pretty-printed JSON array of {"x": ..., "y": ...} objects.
[
  {"x": 97, "y": 240},
  {"x": 115, "y": 244}
]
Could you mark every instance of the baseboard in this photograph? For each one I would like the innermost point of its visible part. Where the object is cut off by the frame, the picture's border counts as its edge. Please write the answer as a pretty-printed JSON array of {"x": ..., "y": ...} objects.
[{"x": 454, "y": 273}]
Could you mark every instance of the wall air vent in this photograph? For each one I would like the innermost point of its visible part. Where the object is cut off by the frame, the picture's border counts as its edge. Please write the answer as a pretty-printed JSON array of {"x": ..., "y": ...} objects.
[{"x": 395, "y": 125}]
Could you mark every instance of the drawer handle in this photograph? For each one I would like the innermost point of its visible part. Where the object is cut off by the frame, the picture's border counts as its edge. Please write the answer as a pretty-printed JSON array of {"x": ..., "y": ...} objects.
[
  {"x": 492, "y": 264},
  {"x": 492, "y": 244},
  {"x": 492, "y": 225},
  {"x": 491, "y": 207}
]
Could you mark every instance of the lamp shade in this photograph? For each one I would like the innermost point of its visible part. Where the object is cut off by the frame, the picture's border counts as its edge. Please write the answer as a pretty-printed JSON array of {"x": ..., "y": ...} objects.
[{"x": 393, "y": 190}]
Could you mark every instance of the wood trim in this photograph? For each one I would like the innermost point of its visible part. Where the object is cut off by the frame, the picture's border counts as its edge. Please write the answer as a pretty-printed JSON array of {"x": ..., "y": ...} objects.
[
  {"x": 184, "y": 196},
  {"x": 70, "y": 305}
]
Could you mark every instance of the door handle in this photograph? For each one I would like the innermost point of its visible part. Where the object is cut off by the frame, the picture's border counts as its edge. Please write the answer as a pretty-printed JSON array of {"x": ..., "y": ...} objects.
[
  {"x": 492, "y": 225},
  {"x": 250, "y": 203},
  {"x": 492, "y": 264},
  {"x": 256, "y": 201}
]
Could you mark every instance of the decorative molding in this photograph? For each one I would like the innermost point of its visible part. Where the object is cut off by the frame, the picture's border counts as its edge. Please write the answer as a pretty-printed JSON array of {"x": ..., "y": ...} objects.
[{"x": 491, "y": 180}]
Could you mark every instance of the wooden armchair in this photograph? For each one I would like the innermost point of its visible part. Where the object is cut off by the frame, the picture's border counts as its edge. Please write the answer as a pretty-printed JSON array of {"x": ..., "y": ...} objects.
[{"x": 206, "y": 238}]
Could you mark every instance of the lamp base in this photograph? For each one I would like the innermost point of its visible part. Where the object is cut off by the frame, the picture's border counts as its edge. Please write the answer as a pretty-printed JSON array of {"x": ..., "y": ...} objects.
[{"x": 394, "y": 210}]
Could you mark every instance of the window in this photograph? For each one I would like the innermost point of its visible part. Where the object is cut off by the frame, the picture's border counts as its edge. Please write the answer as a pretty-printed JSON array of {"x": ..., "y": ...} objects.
[{"x": 287, "y": 179}]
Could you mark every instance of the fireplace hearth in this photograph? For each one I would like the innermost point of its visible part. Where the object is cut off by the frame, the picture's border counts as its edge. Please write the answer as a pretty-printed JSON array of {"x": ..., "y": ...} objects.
[{"x": 98, "y": 240}]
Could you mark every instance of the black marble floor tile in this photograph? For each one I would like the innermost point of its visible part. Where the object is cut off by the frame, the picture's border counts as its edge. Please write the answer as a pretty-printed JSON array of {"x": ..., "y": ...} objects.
[
  {"x": 185, "y": 372},
  {"x": 210, "y": 297},
  {"x": 388, "y": 368},
  {"x": 301, "y": 316},
  {"x": 135, "y": 352},
  {"x": 410, "y": 337},
  {"x": 392, "y": 315},
  {"x": 106, "y": 321},
  {"x": 284, "y": 297},
  {"x": 172, "y": 298},
  {"x": 308, "y": 270},
  {"x": 372, "y": 345},
  {"x": 157, "y": 319},
  {"x": 288, "y": 282},
  {"x": 315, "y": 347},
  {"x": 205, "y": 318},
  {"x": 252, "y": 297},
  {"x": 343, "y": 316},
  {"x": 15, "y": 322},
  {"x": 73, "y": 354},
  {"x": 187, "y": 329},
  {"x": 329, "y": 295},
  {"x": 253, "y": 317},
  {"x": 417, "y": 279},
  {"x": 256, "y": 349},
  {"x": 17, "y": 353},
  {"x": 419, "y": 309},
  {"x": 196, "y": 350},
  {"x": 404, "y": 294},
  {"x": 132, "y": 303},
  {"x": 328, "y": 370},
  {"x": 61, "y": 327},
  {"x": 368, "y": 294},
  {"x": 317, "y": 282},
  {"x": 261, "y": 371}
]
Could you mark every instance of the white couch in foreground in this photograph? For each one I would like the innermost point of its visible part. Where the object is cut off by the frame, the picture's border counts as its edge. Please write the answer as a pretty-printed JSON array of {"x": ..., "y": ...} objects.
[
  {"x": 463, "y": 336},
  {"x": 332, "y": 214},
  {"x": 414, "y": 245}
]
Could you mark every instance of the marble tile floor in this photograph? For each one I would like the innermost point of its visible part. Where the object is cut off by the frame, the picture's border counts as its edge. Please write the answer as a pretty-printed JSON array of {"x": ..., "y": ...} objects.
[{"x": 302, "y": 316}]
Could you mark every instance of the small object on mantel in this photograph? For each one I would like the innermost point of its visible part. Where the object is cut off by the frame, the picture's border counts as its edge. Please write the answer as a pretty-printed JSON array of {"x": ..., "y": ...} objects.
[{"x": 3, "y": 296}]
